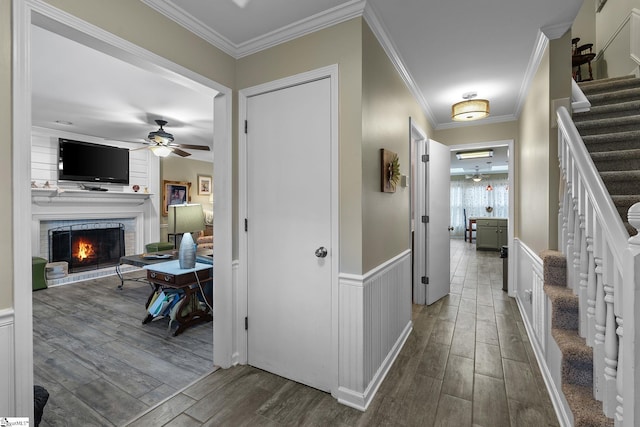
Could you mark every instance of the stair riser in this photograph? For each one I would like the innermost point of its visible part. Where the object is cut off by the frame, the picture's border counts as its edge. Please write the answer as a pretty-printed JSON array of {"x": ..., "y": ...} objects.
[
  {"x": 615, "y": 85},
  {"x": 596, "y": 146},
  {"x": 622, "y": 188},
  {"x": 565, "y": 316},
  {"x": 614, "y": 97},
  {"x": 591, "y": 128},
  {"x": 577, "y": 372},
  {"x": 606, "y": 114},
  {"x": 617, "y": 165}
]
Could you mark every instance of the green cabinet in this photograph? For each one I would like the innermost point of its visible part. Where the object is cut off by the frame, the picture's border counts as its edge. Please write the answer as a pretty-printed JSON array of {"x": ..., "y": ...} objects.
[{"x": 491, "y": 233}]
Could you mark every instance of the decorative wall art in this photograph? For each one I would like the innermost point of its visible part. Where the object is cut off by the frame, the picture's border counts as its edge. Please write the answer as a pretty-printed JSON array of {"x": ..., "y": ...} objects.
[
  {"x": 390, "y": 171},
  {"x": 174, "y": 193},
  {"x": 204, "y": 185}
]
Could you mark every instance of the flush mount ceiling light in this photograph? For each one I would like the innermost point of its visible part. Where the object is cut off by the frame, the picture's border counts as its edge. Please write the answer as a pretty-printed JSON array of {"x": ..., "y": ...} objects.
[
  {"x": 479, "y": 154},
  {"x": 470, "y": 108}
]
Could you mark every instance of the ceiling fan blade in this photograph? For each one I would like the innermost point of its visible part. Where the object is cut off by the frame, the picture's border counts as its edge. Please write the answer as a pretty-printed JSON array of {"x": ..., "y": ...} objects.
[
  {"x": 179, "y": 152},
  {"x": 146, "y": 147},
  {"x": 192, "y": 147}
]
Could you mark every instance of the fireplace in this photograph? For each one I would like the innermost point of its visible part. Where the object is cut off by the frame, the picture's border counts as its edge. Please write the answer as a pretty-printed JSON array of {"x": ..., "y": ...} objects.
[{"x": 87, "y": 246}]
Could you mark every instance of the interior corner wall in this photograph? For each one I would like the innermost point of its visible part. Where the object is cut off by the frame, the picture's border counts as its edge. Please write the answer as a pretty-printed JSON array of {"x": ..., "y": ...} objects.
[
  {"x": 387, "y": 106},
  {"x": 612, "y": 43},
  {"x": 339, "y": 44},
  {"x": 532, "y": 163},
  {"x": 6, "y": 168},
  {"x": 559, "y": 88},
  {"x": 584, "y": 26}
]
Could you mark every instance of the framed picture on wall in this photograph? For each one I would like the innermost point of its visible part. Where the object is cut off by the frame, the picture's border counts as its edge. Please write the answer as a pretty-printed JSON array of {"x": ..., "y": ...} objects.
[
  {"x": 174, "y": 193},
  {"x": 204, "y": 185}
]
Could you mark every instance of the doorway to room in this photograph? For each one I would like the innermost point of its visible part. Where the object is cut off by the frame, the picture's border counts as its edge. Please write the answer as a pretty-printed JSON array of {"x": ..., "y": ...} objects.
[{"x": 46, "y": 16}]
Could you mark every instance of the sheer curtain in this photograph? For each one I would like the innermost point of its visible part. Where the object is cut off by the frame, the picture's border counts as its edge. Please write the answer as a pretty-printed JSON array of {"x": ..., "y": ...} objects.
[{"x": 475, "y": 198}]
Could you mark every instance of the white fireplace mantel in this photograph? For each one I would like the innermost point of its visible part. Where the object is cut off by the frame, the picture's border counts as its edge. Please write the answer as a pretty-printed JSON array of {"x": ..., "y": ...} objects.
[{"x": 53, "y": 196}]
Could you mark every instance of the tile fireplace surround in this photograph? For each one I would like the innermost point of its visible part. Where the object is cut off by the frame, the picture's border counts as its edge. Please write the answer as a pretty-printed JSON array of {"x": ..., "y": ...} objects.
[{"x": 52, "y": 208}]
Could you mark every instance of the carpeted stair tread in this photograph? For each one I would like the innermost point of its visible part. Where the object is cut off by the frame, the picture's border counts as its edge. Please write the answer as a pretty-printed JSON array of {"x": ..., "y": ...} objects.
[
  {"x": 554, "y": 268},
  {"x": 612, "y": 141},
  {"x": 564, "y": 307},
  {"x": 587, "y": 412},
  {"x": 621, "y": 160},
  {"x": 613, "y": 97},
  {"x": 577, "y": 358},
  {"x": 621, "y": 183},
  {"x": 610, "y": 85},
  {"x": 597, "y": 82},
  {"x": 610, "y": 125},
  {"x": 606, "y": 111}
]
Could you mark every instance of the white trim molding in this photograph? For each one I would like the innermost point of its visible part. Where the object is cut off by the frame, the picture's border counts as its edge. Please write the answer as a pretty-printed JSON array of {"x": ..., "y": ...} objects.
[
  {"x": 374, "y": 323},
  {"x": 7, "y": 362}
]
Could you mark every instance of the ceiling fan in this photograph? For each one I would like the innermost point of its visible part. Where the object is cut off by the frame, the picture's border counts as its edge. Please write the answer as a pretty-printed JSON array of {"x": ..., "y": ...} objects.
[
  {"x": 476, "y": 177},
  {"x": 160, "y": 142}
]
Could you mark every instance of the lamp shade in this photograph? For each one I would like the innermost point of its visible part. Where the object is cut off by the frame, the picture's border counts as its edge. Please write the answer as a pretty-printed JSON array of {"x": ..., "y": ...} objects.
[
  {"x": 185, "y": 218},
  {"x": 470, "y": 109},
  {"x": 160, "y": 150}
]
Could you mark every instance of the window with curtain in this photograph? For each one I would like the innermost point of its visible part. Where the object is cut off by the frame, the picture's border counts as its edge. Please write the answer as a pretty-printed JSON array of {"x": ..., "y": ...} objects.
[{"x": 475, "y": 198}]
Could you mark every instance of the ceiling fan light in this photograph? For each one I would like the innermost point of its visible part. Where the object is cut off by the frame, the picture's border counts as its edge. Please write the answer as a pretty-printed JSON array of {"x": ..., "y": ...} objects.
[
  {"x": 476, "y": 178},
  {"x": 470, "y": 109},
  {"x": 160, "y": 150}
]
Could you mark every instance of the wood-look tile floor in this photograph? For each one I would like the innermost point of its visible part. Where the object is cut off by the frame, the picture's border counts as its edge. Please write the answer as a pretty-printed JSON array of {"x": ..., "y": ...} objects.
[
  {"x": 99, "y": 363},
  {"x": 467, "y": 362}
]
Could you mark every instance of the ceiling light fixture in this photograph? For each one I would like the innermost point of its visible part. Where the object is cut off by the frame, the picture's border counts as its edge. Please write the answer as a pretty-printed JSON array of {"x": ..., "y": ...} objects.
[
  {"x": 160, "y": 136},
  {"x": 481, "y": 154},
  {"x": 476, "y": 178},
  {"x": 160, "y": 150},
  {"x": 470, "y": 108}
]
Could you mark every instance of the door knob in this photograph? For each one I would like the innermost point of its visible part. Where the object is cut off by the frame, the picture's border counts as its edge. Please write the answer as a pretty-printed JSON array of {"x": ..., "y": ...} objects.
[{"x": 321, "y": 252}]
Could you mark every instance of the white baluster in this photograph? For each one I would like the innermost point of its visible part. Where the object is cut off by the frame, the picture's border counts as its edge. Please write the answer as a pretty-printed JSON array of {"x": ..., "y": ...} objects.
[
  {"x": 575, "y": 258},
  {"x": 583, "y": 268},
  {"x": 620, "y": 377},
  {"x": 591, "y": 293},
  {"x": 598, "y": 344},
  {"x": 570, "y": 236},
  {"x": 610, "y": 356}
]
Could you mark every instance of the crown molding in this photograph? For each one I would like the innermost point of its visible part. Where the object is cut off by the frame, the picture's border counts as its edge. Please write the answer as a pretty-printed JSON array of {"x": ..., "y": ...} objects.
[
  {"x": 542, "y": 41},
  {"x": 379, "y": 30},
  {"x": 325, "y": 19},
  {"x": 556, "y": 31},
  {"x": 319, "y": 21}
]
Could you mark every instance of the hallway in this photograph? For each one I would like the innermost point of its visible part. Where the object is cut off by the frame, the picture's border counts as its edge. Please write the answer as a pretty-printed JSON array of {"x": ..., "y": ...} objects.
[{"x": 467, "y": 362}]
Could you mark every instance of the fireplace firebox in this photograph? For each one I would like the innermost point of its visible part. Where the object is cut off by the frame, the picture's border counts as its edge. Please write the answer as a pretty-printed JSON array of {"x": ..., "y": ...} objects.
[{"x": 87, "y": 246}]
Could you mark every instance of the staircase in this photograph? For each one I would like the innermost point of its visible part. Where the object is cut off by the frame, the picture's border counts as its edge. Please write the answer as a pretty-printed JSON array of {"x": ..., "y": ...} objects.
[
  {"x": 611, "y": 133},
  {"x": 577, "y": 357}
]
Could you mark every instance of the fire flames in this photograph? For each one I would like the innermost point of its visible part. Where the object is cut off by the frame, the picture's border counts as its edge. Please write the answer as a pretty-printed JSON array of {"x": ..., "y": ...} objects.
[{"x": 85, "y": 250}]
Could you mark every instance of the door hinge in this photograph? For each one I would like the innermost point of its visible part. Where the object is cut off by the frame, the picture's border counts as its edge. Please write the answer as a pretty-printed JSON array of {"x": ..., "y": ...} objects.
[
  {"x": 246, "y": 224},
  {"x": 246, "y": 323},
  {"x": 425, "y": 280},
  {"x": 425, "y": 219},
  {"x": 246, "y": 126},
  {"x": 425, "y": 158}
]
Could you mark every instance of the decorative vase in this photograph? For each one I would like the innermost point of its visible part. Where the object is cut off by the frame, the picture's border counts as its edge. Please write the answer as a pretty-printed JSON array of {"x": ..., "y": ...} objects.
[{"x": 187, "y": 252}]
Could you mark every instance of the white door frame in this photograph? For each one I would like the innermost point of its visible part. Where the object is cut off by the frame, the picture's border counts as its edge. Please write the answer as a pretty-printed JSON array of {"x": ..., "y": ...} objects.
[
  {"x": 24, "y": 13},
  {"x": 418, "y": 139},
  {"x": 241, "y": 307},
  {"x": 510, "y": 144}
]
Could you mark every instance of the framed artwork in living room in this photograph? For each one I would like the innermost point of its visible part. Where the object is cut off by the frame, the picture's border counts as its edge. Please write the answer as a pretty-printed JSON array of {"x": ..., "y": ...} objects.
[
  {"x": 204, "y": 185},
  {"x": 174, "y": 193}
]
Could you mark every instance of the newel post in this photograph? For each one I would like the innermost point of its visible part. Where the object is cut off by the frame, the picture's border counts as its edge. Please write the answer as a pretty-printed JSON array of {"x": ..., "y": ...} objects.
[{"x": 630, "y": 394}]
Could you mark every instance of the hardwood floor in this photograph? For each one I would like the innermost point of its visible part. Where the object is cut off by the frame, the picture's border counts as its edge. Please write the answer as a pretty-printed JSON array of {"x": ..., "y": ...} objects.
[
  {"x": 467, "y": 362},
  {"x": 99, "y": 363}
]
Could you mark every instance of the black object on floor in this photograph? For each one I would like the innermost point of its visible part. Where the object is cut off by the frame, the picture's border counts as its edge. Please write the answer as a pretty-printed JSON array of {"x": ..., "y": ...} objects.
[{"x": 40, "y": 398}]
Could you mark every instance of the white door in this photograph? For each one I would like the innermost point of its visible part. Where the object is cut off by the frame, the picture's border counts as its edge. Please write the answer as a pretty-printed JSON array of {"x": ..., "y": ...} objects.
[
  {"x": 437, "y": 228},
  {"x": 289, "y": 232}
]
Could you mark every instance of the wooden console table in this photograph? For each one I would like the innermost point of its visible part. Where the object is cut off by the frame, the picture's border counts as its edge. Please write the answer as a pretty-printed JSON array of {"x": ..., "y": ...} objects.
[{"x": 169, "y": 275}]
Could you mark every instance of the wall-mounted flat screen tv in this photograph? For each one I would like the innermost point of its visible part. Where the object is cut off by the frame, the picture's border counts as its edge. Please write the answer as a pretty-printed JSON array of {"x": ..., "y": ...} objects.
[{"x": 84, "y": 161}]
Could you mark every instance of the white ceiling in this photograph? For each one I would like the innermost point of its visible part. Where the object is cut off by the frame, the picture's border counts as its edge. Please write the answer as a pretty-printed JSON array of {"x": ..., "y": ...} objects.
[{"x": 442, "y": 49}]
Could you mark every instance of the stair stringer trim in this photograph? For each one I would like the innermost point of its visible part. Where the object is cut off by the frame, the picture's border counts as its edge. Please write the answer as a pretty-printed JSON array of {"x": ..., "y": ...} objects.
[{"x": 527, "y": 262}]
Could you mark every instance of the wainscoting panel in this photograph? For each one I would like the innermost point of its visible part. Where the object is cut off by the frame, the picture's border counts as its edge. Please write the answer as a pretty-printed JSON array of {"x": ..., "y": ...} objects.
[
  {"x": 374, "y": 322},
  {"x": 533, "y": 305},
  {"x": 7, "y": 364}
]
